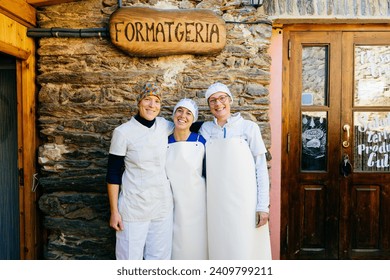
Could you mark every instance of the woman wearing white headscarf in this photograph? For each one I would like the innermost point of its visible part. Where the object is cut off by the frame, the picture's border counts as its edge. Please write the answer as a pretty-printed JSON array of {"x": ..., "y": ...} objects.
[
  {"x": 184, "y": 167},
  {"x": 237, "y": 182}
]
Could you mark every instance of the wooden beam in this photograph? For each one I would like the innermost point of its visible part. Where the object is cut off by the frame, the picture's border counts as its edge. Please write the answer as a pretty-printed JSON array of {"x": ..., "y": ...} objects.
[
  {"x": 19, "y": 11},
  {"x": 14, "y": 51},
  {"x": 40, "y": 3}
]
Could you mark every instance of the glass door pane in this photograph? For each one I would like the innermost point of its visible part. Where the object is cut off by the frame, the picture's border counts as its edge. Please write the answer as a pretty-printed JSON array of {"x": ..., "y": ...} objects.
[
  {"x": 372, "y": 76},
  {"x": 372, "y": 141},
  {"x": 315, "y": 75},
  {"x": 314, "y": 141}
]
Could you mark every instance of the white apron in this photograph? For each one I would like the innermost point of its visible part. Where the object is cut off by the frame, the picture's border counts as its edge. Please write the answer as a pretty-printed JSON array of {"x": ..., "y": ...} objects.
[
  {"x": 184, "y": 170},
  {"x": 231, "y": 203}
]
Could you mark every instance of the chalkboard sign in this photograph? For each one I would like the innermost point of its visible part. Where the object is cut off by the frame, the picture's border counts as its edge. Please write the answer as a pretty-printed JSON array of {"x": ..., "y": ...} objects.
[{"x": 314, "y": 143}]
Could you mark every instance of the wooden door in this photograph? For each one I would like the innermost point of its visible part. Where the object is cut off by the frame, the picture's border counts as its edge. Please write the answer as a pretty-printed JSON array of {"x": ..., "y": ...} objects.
[
  {"x": 22, "y": 49},
  {"x": 336, "y": 141},
  {"x": 9, "y": 185}
]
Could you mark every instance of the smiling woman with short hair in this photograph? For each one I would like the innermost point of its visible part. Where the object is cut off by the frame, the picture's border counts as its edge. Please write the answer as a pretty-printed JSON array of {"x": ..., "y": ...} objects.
[{"x": 140, "y": 197}]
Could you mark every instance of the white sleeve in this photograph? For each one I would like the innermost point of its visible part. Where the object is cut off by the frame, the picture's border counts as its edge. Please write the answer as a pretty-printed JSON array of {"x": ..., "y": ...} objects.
[
  {"x": 204, "y": 131},
  {"x": 170, "y": 126},
  {"x": 255, "y": 140},
  {"x": 262, "y": 179},
  {"x": 118, "y": 143}
]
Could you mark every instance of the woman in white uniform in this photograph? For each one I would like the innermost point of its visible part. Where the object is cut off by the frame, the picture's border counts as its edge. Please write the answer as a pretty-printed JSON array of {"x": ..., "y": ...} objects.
[
  {"x": 140, "y": 197},
  {"x": 237, "y": 182},
  {"x": 185, "y": 161}
]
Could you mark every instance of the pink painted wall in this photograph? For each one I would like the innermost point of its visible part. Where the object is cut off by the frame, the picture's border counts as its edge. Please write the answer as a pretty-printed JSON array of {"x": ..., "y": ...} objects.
[{"x": 275, "y": 90}]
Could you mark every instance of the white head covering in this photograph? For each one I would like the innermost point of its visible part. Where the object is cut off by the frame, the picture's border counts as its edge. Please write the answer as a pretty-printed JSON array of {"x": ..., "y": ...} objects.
[
  {"x": 190, "y": 105},
  {"x": 216, "y": 88}
]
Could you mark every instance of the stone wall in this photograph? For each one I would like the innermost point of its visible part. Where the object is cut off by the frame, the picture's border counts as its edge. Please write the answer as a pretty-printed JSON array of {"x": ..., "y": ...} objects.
[{"x": 87, "y": 87}]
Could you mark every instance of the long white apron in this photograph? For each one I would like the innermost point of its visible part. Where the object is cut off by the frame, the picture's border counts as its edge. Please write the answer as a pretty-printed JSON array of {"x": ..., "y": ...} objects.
[
  {"x": 184, "y": 170},
  {"x": 231, "y": 203}
]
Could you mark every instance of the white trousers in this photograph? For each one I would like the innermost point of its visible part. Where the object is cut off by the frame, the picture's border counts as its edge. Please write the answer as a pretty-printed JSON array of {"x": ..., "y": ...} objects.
[{"x": 150, "y": 240}]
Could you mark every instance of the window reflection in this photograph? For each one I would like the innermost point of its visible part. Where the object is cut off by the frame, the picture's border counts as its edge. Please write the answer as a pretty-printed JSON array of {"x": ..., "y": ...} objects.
[
  {"x": 372, "y": 76},
  {"x": 314, "y": 75}
]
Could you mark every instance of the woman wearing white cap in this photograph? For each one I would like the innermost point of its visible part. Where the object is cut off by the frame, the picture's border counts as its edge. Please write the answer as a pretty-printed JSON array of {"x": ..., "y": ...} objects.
[
  {"x": 237, "y": 182},
  {"x": 142, "y": 215},
  {"x": 185, "y": 161}
]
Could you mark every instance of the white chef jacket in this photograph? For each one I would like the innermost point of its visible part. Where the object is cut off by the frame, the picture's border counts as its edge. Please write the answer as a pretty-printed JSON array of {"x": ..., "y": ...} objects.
[
  {"x": 237, "y": 126},
  {"x": 145, "y": 191}
]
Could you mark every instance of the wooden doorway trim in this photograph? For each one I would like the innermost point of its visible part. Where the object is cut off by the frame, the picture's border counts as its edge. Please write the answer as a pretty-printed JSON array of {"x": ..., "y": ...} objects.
[{"x": 23, "y": 49}]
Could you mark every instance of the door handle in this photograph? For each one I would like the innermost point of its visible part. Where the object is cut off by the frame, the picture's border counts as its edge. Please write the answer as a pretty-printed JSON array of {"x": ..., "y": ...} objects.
[{"x": 346, "y": 128}]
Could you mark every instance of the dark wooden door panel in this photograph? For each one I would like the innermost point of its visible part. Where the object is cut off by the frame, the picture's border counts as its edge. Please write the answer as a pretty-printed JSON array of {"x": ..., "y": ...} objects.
[
  {"x": 313, "y": 213},
  {"x": 365, "y": 217},
  {"x": 314, "y": 114}
]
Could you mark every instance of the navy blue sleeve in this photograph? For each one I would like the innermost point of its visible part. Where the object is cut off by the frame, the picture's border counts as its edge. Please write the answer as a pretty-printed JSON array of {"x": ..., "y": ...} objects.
[{"x": 115, "y": 168}]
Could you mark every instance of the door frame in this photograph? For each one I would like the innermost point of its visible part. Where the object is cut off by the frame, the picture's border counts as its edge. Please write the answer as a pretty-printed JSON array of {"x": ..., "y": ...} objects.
[
  {"x": 285, "y": 231},
  {"x": 23, "y": 49}
]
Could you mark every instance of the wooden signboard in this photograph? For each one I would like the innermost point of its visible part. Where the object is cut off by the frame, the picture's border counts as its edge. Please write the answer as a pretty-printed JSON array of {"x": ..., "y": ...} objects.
[{"x": 150, "y": 32}]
